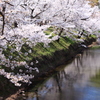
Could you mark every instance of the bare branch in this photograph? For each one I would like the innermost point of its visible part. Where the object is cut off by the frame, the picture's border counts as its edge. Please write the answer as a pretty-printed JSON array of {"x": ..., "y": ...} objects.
[
  {"x": 3, "y": 24},
  {"x": 38, "y": 13},
  {"x": 8, "y": 3},
  {"x": 85, "y": 18}
]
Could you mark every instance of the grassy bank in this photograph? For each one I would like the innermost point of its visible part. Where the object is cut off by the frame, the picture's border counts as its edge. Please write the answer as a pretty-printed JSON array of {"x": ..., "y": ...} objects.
[
  {"x": 39, "y": 53},
  {"x": 45, "y": 58}
]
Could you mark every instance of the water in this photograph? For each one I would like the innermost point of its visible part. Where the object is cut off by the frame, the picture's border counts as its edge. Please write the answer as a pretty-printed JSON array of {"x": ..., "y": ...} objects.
[{"x": 77, "y": 81}]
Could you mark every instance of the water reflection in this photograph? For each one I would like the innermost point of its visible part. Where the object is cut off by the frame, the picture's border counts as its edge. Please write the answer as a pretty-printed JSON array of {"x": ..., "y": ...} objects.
[{"x": 74, "y": 82}]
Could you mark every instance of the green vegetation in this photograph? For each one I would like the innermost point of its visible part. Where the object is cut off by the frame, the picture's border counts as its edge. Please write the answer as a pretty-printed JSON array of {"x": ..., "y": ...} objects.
[
  {"x": 96, "y": 79},
  {"x": 95, "y": 47},
  {"x": 37, "y": 50},
  {"x": 27, "y": 53},
  {"x": 50, "y": 31},
  {"x": 92, "y": 36}
]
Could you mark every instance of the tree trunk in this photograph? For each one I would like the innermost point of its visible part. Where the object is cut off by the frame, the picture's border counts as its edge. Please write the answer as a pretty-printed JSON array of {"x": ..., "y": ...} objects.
[{"x": 61, "y": 30}]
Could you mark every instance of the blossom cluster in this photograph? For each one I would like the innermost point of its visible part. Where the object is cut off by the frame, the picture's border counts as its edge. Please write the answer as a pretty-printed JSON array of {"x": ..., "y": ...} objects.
[{"x": 16, "y": 78}]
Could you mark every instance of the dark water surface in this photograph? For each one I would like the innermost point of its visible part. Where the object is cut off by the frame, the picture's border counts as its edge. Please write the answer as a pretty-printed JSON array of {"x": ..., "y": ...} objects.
[{"x": 77, "y": 81}]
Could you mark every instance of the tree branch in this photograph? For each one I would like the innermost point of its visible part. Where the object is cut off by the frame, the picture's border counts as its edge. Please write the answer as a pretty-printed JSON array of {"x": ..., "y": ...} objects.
[{"x": 3, "y": 24}]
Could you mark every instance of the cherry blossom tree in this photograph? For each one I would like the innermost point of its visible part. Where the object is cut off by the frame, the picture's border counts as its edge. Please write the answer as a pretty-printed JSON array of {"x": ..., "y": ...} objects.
[{"x": 25, "y": 21}]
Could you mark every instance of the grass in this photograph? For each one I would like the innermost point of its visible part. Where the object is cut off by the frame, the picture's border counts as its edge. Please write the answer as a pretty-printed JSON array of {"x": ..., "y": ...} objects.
[
  {"x": 38, "y": 50},
  {"x": 49, "y": 31}
]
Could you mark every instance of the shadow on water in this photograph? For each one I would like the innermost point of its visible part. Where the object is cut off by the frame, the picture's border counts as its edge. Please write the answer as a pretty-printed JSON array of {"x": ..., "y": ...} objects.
[{"x": 75, "y": 82}]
